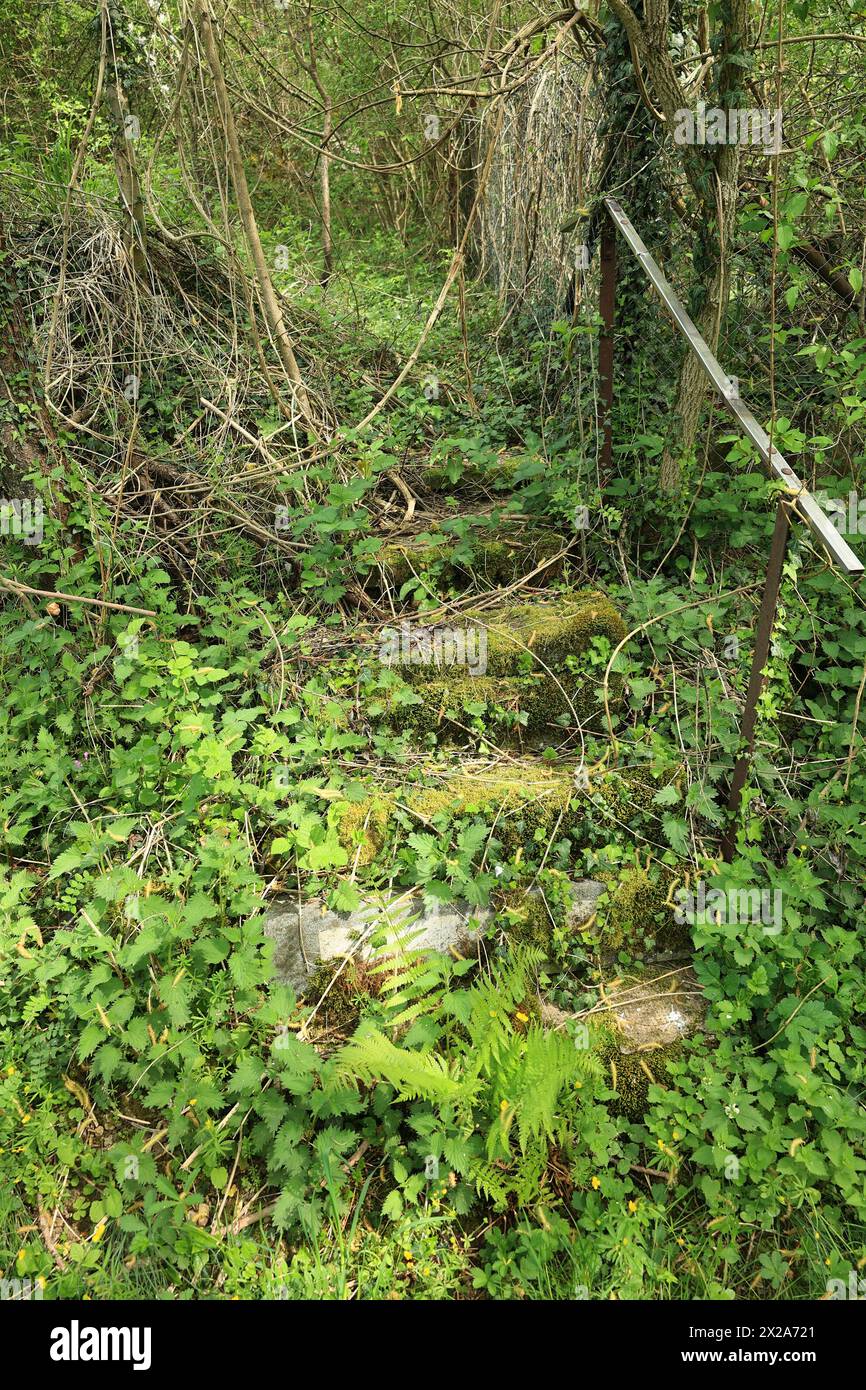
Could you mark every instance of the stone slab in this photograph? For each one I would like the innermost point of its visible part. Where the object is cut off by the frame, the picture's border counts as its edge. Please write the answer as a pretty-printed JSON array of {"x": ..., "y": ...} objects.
[{"x": 305, "y": 933}]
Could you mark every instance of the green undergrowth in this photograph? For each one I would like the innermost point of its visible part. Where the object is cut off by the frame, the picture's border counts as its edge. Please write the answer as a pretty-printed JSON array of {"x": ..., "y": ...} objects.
[{"x": 421, "y": 1133}]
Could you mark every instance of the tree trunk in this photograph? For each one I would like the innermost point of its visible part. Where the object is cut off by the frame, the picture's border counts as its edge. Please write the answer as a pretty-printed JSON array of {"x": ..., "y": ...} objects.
[
  {"x": 325, "y": 187},
  {"x": 126, "y": 168},
  {"x": 712, "y": 172}
]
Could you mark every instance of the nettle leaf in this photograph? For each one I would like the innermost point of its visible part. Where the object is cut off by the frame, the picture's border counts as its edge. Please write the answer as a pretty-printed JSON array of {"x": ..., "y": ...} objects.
[
  {"x": 284, "y": 1154},
  {"x": 273, "y": 1108},
  {"x": 329, "y": 854},
  {"x": 90, "y": 1039},
  {"x": 148, "y": 942},
  {"x": 247, "y": 1076},
  {"x": 699, "y": 800},
  {"x": 211, "y": 950},
  {"x": 345, "y": 897},
  {"x": 245, "y": 968},
  {"x": 65, "y": 863},
  {"x": 677, "y": 833},
  {"x": 667, "y": 796},
  {"x": 289, "y": 1204},
  {"x": 199, "y": 908},
  {"x": 107, "y": 1060},
  {"x": 392, "y": 1207},
  {"x": 174, "y": 993}
]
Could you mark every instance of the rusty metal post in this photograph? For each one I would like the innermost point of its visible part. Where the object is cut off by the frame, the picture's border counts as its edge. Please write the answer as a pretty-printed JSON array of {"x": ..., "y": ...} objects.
[
  {"x": 763, "y": 634},
  {"x": 607, "y": 308}
]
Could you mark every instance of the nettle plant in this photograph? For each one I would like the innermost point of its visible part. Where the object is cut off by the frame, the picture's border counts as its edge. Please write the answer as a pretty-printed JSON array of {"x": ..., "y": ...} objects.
[{"x": 765, "y": 1108}]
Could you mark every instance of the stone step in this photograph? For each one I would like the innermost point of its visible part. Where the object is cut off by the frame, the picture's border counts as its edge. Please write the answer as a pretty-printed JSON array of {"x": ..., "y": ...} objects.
[
  {"x": 305, "y": 934},
  {"x": 651, "y": 1015},
  {"x": 516, "y": 666},
  {"x": 506, "y": 639},
  {"x": 518, "y": 799},
  {"x": 495, "y": 550},
  {"x": 656, "y": 1009},
  {"x": 645, "y": 1020}
]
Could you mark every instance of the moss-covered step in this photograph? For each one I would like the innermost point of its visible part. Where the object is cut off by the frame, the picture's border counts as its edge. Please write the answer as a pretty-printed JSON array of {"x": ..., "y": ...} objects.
[
  {"x": 518, "y": 799},
  {"x": 507, "y": 639},
  {"x": 649, "y": 1018},
  {"x": 531, "y": 916},
  {"x": 637, "y": 917},
  {"x": 521, "y": 800},
  {"x": 516, "y": 666},
  {"x": 461, "y": 476},
  {"x": 499, "y": 710},
  {"x": 479, "y": 555}
]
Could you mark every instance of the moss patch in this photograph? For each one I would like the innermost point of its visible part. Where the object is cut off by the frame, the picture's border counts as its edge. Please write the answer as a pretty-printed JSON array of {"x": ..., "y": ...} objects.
[
  {"x": 632, "y": 1074},
  {"x": 349, "y": 986},
  {"x": 522, "y": 804},
  {"x": 451, "y": 705},
  {"x": 517, "y": 804},
  {"x": 526, "y": 919},
  {"x": 491, "y": 557},
  {"x": 363, "y": 828},
  {"x": 638, "y": 918},
  {"x": 515, "y": 673},
  {"x": 547, "y": 633}
]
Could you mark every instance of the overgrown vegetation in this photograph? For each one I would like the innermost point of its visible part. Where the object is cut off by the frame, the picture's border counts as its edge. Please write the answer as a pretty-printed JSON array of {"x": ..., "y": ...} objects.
[{"x": 655, "y": 1091}]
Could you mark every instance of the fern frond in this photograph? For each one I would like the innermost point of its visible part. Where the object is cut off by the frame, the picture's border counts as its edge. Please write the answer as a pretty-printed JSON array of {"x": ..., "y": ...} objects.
[{"x": 370, "y": 1056}]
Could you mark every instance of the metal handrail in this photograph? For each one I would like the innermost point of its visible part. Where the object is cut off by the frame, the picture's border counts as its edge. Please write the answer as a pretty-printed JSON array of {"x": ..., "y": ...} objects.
[
  {"x": 797, "y": 499},
  {"x": 800, "y": 498}
]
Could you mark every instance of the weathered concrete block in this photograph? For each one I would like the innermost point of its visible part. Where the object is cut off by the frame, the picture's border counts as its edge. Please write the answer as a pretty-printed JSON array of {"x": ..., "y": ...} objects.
[
  {"x": 659, "y": 1009},
  {"x": 306, "y": 933},
  {"x": 585, "y": 893}
]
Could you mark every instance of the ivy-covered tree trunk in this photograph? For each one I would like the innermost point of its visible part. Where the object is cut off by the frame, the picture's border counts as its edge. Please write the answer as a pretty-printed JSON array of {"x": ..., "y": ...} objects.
[{"x": 711, "y": 170}]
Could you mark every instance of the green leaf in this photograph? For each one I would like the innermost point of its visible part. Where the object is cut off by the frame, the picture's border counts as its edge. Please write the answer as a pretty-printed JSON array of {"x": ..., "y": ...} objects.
[
  {"x": 345, "y": 897},
  {"x": 677, "y": 832},
  {"x": 392, "y": 1207}
]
